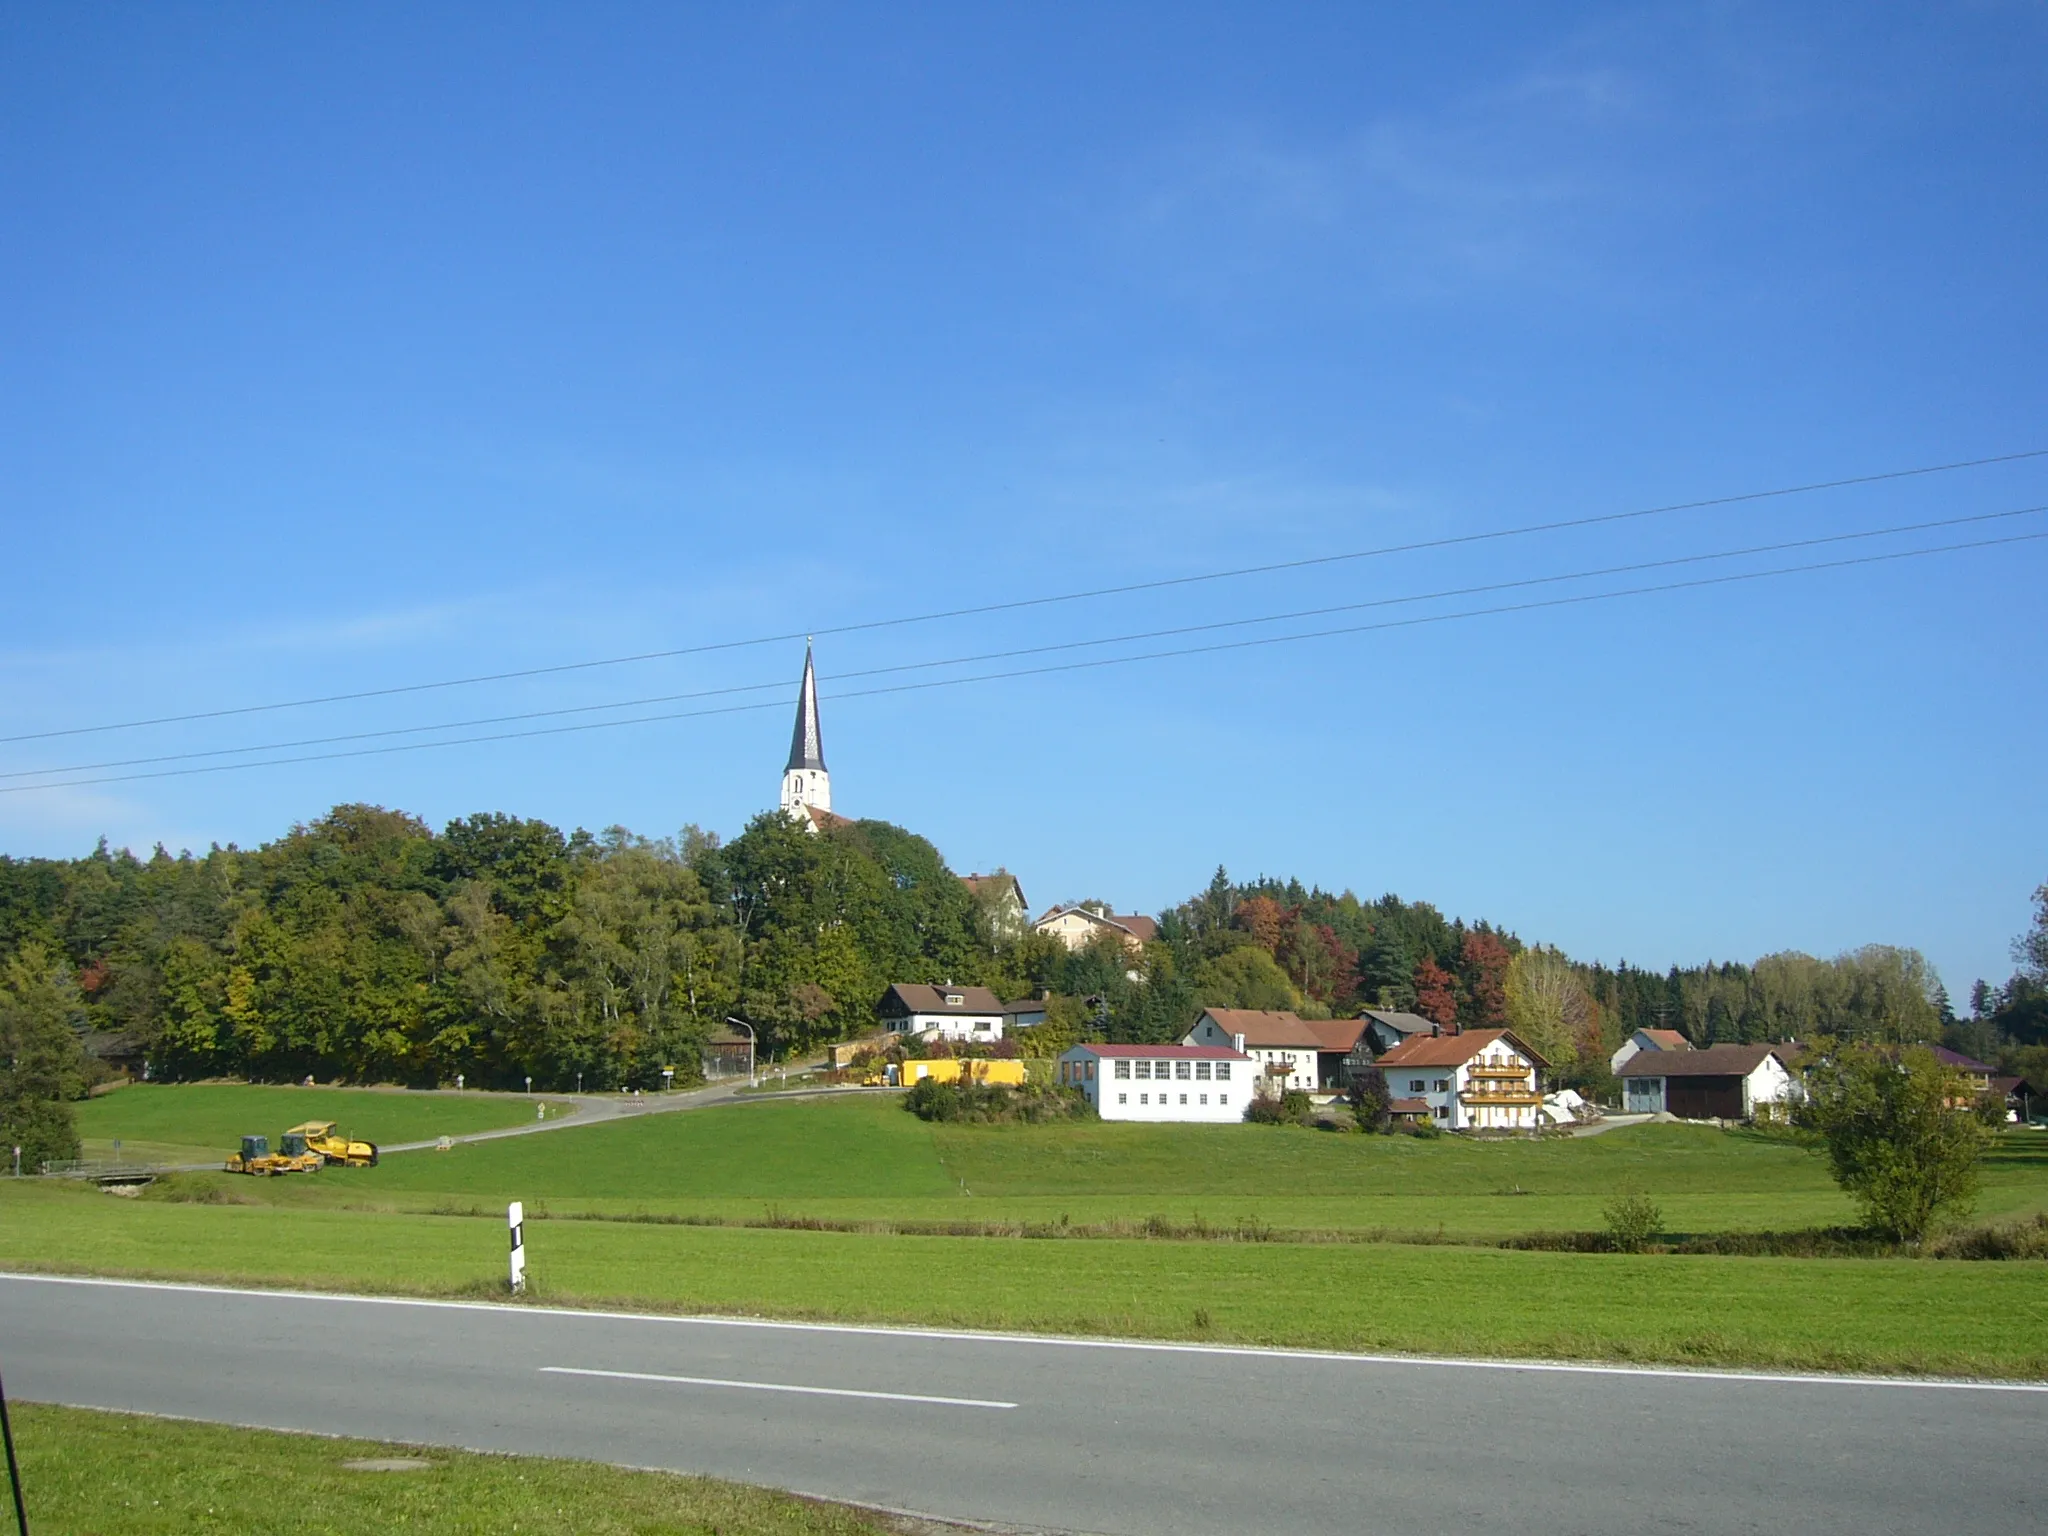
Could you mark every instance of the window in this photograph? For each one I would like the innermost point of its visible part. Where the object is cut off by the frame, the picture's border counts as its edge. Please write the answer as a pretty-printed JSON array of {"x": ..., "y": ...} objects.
[
  {"x": 1222, "y": 1098},
  {"x": 1144, "y": 1098},
  {"x": 1442, "y": 1113},
  {"x": 954, "y": 999},
  {"x": 1091, "y": 1071},
  {"x": 1443, "y": 1084},
  {"x": 1183, "y": 1098},
  {"x": 1123, "y": 1069},
  {"x": 1223, "y": 1070},
  {"x": 1205, "y": 1098},
  {"x": 1183, "y": 1069},
  {"x": 1144, "y": 1069},
  {"x": 1123, "y": 1098},
  {"x": 1415, "y": 1085},
  {"x": 1202, "y": 1071}
]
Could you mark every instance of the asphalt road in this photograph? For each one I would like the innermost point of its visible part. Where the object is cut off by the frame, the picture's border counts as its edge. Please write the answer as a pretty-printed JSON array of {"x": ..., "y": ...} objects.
[{"x": 1065, "y": 1435}]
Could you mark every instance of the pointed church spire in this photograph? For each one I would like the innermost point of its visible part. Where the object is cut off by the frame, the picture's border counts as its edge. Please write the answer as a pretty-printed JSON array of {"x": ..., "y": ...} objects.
[{"x": 807, "y": 743}]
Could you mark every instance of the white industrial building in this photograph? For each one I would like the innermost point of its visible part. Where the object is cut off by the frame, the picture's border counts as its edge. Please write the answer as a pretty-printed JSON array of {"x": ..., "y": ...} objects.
[{"x": 1162, "y": 1082}]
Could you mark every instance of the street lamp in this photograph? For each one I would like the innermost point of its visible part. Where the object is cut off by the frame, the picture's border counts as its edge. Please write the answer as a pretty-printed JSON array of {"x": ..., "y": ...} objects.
[{"x": 752, "y": 1045}]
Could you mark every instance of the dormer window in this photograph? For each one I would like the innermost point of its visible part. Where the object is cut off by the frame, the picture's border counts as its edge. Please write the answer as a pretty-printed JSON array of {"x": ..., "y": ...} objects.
[{"x": 954, "y": 1000}]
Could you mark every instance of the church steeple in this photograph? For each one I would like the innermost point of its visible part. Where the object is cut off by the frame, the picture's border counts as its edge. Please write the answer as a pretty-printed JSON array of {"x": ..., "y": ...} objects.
[{"x": 805, "y": 783}]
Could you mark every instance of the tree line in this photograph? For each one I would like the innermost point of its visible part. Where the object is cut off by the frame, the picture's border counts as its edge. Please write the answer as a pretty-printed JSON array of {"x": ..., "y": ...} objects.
[{"x": 366, "y": 946}]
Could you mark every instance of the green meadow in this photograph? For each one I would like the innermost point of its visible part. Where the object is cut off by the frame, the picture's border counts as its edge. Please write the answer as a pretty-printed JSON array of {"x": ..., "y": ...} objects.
[
  {"x": 1333, "y": 1241},
  {"x": 204, "y": 1122}
]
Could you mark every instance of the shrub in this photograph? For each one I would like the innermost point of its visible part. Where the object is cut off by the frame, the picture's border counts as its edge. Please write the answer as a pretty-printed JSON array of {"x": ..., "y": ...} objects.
[
  {"x": 1634, "y": 1221},
  {"x": 1422, "y": 1130},
  {"x": 1369, "y": 1099},
  {"x": 994, "y": 1103},
  {"x": 1291, "y": 1108}
]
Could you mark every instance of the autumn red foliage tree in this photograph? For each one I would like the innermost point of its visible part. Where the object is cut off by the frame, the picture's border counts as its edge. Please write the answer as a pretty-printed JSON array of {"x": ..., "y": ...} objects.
[
  {"x": 1264, "y": 919},
  {"x": 1436, "y": 993},
  {"x": 1483, "y": 967}
]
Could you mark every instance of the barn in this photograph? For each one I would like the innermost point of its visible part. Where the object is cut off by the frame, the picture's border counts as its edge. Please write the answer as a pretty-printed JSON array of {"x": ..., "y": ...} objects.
[{"x": 1722, "y": 1082}]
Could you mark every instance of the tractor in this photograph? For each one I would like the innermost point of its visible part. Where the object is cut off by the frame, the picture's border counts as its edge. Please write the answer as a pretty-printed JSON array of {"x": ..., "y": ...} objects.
[{"x": 322, "y": 1138}]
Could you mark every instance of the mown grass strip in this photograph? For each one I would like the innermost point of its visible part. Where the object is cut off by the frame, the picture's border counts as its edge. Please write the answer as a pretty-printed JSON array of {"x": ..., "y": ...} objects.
[{"x": 116, "y": 1474}]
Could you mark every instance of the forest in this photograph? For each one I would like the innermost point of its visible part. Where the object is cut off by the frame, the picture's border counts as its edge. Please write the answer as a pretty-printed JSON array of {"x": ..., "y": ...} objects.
[{"x": 367, "y": 947}]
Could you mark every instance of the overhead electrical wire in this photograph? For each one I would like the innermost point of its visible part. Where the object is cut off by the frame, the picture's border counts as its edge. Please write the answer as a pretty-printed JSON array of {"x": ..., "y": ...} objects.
[
  {"x": 1306, "y": 562},
  {"x": 1572, "y": 600},
  {"x": 1039, "y": 650}
]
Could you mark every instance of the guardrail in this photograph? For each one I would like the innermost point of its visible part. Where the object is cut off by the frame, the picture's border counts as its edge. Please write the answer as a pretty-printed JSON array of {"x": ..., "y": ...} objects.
[{"x": 99, "y": 1172}]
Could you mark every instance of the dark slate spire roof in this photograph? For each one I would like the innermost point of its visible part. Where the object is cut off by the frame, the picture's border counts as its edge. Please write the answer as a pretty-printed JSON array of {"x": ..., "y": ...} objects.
[{"x": 807, "y": 745}]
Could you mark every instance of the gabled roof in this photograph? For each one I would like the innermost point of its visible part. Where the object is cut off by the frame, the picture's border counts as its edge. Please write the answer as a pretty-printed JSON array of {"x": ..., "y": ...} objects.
[
  {"x": 1960, "y": 1062},
  {"x": 1337, "y": 1034},
  {"x": 1266, "y": 1029},
  {"x": 1143, "y": 929},
  {"x": 825, "y": 820},
  {"x": 1453, "y": 1050},
  {"x": 974, "y": 883},
  {"x": 807, "y": 742},
  {"x": 1177, "y": 1052},
  {"x": 1407, "y": 1106},
  {"x": 920, "y": 997},
  {"x": 1665, "y": 1039},
  {"x": 1713, "y": 1061},
  {"x": 1399, "y": 1023}
]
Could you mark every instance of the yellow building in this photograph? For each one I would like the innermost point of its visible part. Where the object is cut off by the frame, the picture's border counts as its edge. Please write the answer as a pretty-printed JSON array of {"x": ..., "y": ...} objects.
[{"x": 1009, "y": 1073}]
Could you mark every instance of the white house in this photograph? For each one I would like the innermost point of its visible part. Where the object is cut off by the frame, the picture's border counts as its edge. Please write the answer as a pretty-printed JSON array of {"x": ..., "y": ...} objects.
[
  {"x": 1722, "y": 1082},
  {"x": 1162, "y": 1082},
  {"x": 1285, "y": 1047},
  {"x": 950, "y": 1012},
  {"x": 1647, "y": 1040},
  {"x": 1480, "y": 1080}
]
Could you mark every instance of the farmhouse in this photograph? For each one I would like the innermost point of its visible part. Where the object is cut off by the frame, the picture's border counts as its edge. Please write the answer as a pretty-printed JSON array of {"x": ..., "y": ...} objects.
[
  {"x": 1722, "y": 1082},
  {"x": 1162, "y": 1082},
  {"x": 952, "y": 1013},
  {"x": 1481, "y": 1080},
  {"x": 1287, "y": 1049},
  {"x": 1647, "y": 1040}
]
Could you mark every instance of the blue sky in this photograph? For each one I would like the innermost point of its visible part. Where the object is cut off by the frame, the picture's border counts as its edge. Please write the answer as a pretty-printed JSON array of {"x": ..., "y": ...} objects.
[{"x": 356, "y": 347}]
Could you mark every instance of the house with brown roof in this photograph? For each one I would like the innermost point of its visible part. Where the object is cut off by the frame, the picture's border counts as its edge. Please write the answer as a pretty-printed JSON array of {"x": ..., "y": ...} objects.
[
  {"x": 1077, "y": 926},
  {"x": 1721, "y": 1082},
  {"x": 1290, "y": 1050},
  {"x": 1478, "y": 1080},
  {"x": 947, "y": 1011},
  {"x": 1647, "y": 1040}
]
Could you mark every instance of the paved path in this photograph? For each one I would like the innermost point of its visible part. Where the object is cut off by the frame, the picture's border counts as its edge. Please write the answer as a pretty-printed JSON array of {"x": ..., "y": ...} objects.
[{"x": 1058, "y": 1434}]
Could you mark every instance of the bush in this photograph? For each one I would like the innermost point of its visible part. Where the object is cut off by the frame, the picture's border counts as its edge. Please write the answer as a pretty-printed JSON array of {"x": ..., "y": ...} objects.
[
  {"x": 1369, "y": 1099},
  {"x": 1292, "y": 1108},
  {"x": 1422, "y": 1130},
  {"x": 1634, "y": 1221},
  {"x": 994, "y": 1103}
]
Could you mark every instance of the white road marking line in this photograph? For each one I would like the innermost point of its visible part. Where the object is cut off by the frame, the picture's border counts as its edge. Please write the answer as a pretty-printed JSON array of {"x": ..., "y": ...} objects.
[
  {"x": 774, "y": 1386},
  {"x": 1059, "y": 1341}
]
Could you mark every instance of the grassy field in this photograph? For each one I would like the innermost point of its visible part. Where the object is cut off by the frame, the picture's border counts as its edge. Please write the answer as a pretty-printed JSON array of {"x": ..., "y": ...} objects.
[
  {"x": 203, "y": 1122},
  {"x": 1890, "y": 1314},
  {"x": 109, "y": 1474},
  {"x": 431, "y": 1223},
  {"x": 864, "y": 1159}
]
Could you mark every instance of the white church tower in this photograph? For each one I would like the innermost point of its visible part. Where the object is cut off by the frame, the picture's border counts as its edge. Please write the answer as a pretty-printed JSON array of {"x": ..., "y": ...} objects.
[{"x": 806, "y": 786}]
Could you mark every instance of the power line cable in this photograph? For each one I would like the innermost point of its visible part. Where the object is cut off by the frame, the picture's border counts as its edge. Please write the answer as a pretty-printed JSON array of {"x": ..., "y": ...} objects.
[
  {"x": 1035, "y": 650},
  {"x": 1071, "y": 666},
  {"x": 1125, "y": 589}
]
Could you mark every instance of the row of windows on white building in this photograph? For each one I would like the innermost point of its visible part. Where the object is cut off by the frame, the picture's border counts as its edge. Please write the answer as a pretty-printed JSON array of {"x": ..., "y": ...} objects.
[
  {"x": 1165, "y": 1069},
  {"x": 1125, "y": 1098}
]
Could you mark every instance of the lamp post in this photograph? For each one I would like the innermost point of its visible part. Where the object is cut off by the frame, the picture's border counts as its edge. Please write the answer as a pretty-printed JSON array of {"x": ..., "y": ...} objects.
[{"x": 752, "y": 1045}]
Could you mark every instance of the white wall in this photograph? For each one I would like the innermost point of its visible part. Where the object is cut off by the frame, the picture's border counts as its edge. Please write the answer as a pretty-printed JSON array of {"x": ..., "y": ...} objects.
[
  {"x": 985, "y": 1027},
  {"x": 1212, "y": 1100}
]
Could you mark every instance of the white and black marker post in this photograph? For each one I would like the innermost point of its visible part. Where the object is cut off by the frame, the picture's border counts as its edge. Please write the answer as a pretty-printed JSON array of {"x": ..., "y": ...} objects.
[{"x": 515, "y": 1218}]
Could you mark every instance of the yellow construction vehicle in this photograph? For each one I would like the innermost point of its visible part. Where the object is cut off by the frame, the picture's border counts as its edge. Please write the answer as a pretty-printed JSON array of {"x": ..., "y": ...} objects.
[
  {"x": 256, "y": 1158},
  {"x": 322, "y": 1139}
]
